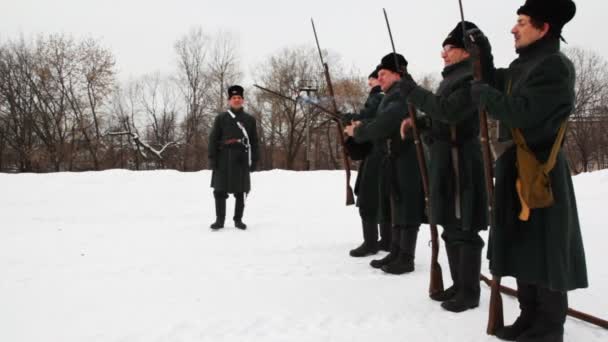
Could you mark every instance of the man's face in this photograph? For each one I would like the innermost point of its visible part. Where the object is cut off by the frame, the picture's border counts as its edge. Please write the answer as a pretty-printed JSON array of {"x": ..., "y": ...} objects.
[
  {"x": 236, "y": 101},
  {"x": 525, "y": 33},
  {"x": 386, "y": 78},
  {"x": 452, "y": 55},
  {"x": 372, "y": 82}
]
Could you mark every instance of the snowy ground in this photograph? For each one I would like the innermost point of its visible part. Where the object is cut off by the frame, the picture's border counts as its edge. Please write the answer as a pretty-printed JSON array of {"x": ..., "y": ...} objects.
[{"x": 128, "y": 256}]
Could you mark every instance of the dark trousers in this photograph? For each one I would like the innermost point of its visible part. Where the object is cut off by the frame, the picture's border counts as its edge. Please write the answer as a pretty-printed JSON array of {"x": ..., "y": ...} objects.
[{"x": 220, "y": 205}]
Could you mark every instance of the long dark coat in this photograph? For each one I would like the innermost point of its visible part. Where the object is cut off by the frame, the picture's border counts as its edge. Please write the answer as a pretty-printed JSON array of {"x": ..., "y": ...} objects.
[
  {"x": 230, "y": 162},
  {"x": 451, "y": 106},
  {"x": 367, "y": 184},
  {"x": 536, "y": 95},
  {"x": 400, "y": 177}
]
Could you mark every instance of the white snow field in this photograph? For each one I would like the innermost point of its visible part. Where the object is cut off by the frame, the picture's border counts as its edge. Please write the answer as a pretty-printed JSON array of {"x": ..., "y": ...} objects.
[{"x": 129, "y": 256}]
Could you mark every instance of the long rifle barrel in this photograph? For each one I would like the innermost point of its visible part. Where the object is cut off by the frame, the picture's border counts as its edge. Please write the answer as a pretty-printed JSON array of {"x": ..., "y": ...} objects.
[
  {"x": 350, "y": 197},
  {"x": 390, "y": 34},
  {"x": 495, "y": 312},
  {"x": 325, "y": 110},
  {"x": 436, "y": 281},
  {"x": 314, "y": 30}
]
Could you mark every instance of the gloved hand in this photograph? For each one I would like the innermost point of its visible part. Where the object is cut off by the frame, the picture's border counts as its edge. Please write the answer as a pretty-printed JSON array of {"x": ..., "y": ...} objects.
[
  {"x": 407, "y": 85},
  {"x": 478, "y": 41},
  {"x": 253, "y": 166},
  {"x": 212, "y": 164},
  {"x": 347, "y": 118}
]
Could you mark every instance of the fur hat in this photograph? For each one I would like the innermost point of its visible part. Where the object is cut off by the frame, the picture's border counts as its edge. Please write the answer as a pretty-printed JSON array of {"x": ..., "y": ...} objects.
[
  {"x": 235, "y": 90},
  {"x": 456, "y": 37},
  {"x": 554, "y": 12},
  {"x": 374, "y": 73},
  {"x": 394, "y": 62}
]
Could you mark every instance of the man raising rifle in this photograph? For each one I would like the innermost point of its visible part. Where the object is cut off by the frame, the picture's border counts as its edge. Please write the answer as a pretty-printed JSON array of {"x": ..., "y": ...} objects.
[{"x": 536, "y": 239}]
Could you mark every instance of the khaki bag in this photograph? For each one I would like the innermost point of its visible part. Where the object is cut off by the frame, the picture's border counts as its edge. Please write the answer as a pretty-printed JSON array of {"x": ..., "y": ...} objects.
[{"x": 533, "y": 183}]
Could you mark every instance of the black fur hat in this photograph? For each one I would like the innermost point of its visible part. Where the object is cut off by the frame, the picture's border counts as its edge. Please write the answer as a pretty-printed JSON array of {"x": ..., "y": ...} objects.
[
  {"x": 235, "y": 90},
  {"x": 394, "y": 62},
  {"x": 374, "y": 73},
  {"x": 554, "y": 12},
  {"x": 456, "y": 37}
]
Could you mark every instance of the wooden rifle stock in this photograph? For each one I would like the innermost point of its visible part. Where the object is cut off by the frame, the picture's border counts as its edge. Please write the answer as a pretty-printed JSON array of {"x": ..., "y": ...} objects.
[{"x": 436, "y": 281}]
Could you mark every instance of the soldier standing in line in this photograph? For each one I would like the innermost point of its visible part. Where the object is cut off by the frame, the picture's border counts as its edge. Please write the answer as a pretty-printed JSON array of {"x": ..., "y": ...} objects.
[
  {"x": 400, "y": 178},
  {"x": 457, "y": 195},
  {"x": 367, "y": 183},
  {"x": 540, "y": 245}
]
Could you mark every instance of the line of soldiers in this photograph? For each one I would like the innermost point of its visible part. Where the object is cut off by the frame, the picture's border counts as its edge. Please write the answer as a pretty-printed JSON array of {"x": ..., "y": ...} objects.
[{"x": 530, "y": 100}]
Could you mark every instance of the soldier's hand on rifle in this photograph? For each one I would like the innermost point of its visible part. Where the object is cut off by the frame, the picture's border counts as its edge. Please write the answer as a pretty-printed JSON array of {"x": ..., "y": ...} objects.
[
  {"x": 478, "y": 41},
  {"x": 407, "y": 85},
  {"x": 350, "y": 129},
  {"x": 405, "y": 126},
  {"x": 346, "y": 118}
]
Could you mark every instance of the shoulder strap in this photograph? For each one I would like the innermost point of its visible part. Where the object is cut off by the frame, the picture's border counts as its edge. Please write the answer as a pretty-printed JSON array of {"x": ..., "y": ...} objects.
[
  {"x": 246, "y": 136},
  {"x": 556, "y": 146}
]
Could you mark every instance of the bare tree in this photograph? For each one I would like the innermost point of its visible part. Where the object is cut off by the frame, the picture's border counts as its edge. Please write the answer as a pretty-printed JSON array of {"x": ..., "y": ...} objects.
[
  {"x": 158, "y": 99},
  {"x": 17, "y": 102},
  {"x": 192, "y": 53},
  {"x": 586, "y": 136},
  {"x": 283, "y": 121},
  {"x": 223, "y": 66}
]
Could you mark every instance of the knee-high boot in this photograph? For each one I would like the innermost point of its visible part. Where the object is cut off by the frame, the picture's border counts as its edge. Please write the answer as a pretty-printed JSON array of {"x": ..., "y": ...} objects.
[
  {"x": 526, "y": 296},
  {"x": 468, "y": 289},
  {"x": 239, "y": 209},
  {"x": 404, "y": 263},
  {"x": 370, "y": 240},
  {"x": 394, "y": 250},
  {"x": 220, "y": 209},
  {"x": 385, "y": 236},
  {"x": 548, "y": 324}
]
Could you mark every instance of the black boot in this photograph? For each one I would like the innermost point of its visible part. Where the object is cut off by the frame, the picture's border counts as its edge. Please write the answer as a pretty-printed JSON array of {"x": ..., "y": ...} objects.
[
  {"x": 526, "y": 295},
  {"x": 385, "y": 236},
  {"x": 220, "y": 210},
  {"x": 393, "y": 252},
  {"x": 370, "y": 240},
  {"x": 548, "y": 324},
  {"x": 453, "y": 254},
  {"x": 239, "y": 208},
  {"x": 469, "y": 266},
  {"x": 404, "y": 263}
]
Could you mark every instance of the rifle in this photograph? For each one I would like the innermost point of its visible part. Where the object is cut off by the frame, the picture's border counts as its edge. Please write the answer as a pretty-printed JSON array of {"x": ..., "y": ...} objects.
[
  {"x": 571, "y": 312},
  {"x": 436, "y": 281},
  {"x": 332, "y": 115},
  {"x": 350, "y": 198},
  {"x": 495, "y": 314}
]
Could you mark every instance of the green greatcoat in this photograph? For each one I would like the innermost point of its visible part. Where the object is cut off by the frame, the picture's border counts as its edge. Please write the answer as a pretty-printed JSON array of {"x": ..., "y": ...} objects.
[
  {"x": 548, "y": 249},
  {"x": 451, "y": 106},
  {"x": 367, "y": 184},
  {"x": 231, "y": 164},
  {"x": 399, "y": 175}
]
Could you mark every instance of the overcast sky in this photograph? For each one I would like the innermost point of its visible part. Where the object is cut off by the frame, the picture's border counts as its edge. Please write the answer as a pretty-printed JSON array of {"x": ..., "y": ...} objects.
[{"x": 141, "y": 33}]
